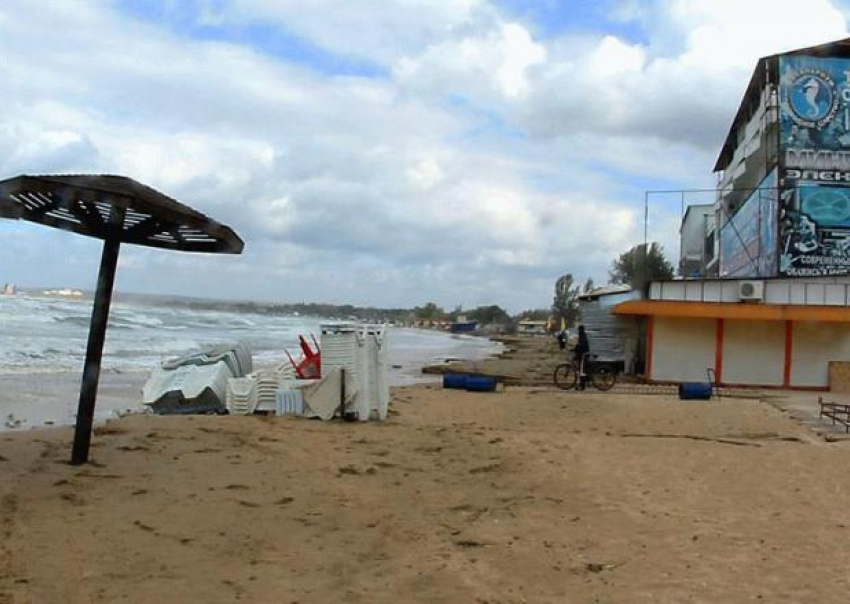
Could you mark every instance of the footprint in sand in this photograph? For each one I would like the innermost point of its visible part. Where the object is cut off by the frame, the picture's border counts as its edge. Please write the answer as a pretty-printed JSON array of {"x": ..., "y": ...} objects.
[
  {"x": 485, "y": 469},
  {"x": 73, "y": 499},
  {"x": 144, "y": 527}
]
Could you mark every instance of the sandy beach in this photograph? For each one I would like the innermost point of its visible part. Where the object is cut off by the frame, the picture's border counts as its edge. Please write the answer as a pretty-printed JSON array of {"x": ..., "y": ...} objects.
[{"x": 529, "y": 495}]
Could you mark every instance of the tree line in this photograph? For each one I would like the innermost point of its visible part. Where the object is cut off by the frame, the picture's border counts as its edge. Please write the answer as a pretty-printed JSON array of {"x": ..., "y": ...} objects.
[{"x": 636, "y": 268}]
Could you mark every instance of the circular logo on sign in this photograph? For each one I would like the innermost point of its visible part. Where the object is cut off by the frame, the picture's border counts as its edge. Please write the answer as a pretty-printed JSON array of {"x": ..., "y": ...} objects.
[{"x": 813, "y": 99}]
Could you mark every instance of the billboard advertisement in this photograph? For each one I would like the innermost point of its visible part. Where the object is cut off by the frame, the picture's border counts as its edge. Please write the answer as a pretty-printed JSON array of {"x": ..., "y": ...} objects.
[
  {"x": 748, "y": 246},
  {"x": 814, "y": 129}
]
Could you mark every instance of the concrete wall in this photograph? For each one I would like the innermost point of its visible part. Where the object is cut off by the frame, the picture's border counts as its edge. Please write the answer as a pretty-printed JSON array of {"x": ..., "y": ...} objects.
[
  {"x": 813, "y": 346},
  {"x": 682, "y": 349},
  {"x": 809, "y": 291},
  {"x": 753, "y": 352}
]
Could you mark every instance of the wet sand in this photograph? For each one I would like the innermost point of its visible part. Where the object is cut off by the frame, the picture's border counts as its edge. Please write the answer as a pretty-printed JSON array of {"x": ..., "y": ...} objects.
[
  {"x": 531, "y": 495},
  {"x": 38, "y": 399}
]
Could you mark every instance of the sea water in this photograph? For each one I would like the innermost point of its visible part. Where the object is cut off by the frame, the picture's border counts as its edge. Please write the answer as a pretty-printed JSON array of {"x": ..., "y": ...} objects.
[{"x": 41, "y": 334}]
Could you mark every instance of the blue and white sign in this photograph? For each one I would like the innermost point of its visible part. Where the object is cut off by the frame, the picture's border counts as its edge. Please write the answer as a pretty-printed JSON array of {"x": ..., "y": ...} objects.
[
  {"x": 814, "y": 122},
  {"x": 812, "y": 98}
]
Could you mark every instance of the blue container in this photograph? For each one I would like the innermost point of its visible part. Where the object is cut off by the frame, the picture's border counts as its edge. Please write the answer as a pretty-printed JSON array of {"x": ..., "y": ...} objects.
[
  {"x": 454, "y": 380},
  {"x": 480, "y": 383},
  {"x": 695, "y": 391}
]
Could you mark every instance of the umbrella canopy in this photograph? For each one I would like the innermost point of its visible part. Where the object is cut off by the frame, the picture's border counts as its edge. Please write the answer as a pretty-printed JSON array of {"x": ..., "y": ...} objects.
[
  {"x": 9, "y": 209},
  {"x": 117, "y": 210},
  {"x": 83, "y": 204}
]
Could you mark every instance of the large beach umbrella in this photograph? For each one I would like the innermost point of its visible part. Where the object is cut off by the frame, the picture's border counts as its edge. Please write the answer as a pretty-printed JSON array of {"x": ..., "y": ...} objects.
[
  {"x": 115, "y": 209},
  {"x": 9, "y": 209}
]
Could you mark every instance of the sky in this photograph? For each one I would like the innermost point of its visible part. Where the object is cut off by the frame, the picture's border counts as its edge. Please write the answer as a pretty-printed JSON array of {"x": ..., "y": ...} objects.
[{"x": 382, "y": 152}]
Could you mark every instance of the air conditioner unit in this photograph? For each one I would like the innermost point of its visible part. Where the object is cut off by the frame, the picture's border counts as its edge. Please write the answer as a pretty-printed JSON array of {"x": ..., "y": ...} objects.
[{"x": 751, "y": 291}]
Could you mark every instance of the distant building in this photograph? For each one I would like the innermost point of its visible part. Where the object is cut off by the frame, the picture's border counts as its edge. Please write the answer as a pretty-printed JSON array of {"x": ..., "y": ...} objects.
[
  {"x": 533, "y": 328},
  {"x": 697, "y": 241}
]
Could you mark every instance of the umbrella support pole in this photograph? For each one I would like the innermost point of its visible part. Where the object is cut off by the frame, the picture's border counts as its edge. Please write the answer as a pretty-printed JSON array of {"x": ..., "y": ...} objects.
[{"x": 97, "y": 336}]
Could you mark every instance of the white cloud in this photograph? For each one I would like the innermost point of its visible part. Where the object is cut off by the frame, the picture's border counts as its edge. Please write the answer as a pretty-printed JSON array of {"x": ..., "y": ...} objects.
[
  {"x": 481, "y": 165},
  {"x": 426, "y": 173},
  {"x": 490, "y": 60},
  {"x": 614, "y": 57},
  {"x": 380, "y": 32},
  {"x": 731, "y": 33}
]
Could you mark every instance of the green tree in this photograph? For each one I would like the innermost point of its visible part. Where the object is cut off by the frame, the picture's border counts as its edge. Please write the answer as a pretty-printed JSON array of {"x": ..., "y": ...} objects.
[
  {"x": 565, "y": 303},
  {"x": 535, "y": 314},
  {"x": 455, "y": 313},
  {"x": 429, "y": 312},
  {"x": 638, "y": 268},
  {"x": 488, "y": 315},
  {"x": 588, "y": 286}
]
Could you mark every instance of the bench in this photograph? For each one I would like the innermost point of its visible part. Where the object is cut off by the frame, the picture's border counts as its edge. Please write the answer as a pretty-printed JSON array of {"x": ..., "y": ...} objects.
[{"x": 837, "y": 412}]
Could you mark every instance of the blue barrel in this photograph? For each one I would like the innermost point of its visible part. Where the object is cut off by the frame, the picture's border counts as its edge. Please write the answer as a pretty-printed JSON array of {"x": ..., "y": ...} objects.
[
  {"x": 695, "y": 391},
  {"x": 454, "y": 380},
  {"x": 480, "y": 383}
]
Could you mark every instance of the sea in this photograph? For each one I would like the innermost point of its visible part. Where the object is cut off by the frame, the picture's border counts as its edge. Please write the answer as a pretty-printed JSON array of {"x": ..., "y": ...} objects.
[{"x": 42, "y": 333}]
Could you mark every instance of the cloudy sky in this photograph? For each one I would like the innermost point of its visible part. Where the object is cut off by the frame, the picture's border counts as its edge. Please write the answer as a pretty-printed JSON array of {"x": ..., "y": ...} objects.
[{"x": 382, "y": 152}]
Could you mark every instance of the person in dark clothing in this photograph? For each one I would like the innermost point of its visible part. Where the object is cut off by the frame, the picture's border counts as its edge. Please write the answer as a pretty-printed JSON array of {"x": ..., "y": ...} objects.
[
  {"x": 562, "y": 339},
  {"x": 579, "y": 352}
]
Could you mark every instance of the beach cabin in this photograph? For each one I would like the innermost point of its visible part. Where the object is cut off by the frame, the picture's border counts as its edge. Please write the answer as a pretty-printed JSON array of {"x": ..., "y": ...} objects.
[{"x": 528, "y": 327}]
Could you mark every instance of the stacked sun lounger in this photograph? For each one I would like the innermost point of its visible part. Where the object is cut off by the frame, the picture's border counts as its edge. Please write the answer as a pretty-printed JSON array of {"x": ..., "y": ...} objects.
[
  {"x": 360, "y": 351},
  {"x": 259, "y": 391},
  {"x": 290, "y": 402},
  {"x": 241, "y": 395},
  {"x": 268, "y": 384},
  {"x": 376, "y": 384}
]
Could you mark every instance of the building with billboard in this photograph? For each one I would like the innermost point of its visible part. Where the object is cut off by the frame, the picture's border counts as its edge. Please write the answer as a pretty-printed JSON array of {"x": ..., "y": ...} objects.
[
  {"x": 768, "y": 303},
  {"x": 783, "y": 206}
]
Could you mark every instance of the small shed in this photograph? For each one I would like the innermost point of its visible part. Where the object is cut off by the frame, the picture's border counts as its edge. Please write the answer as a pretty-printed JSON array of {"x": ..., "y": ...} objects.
[
  {"x": 532, "y": 328},
  {"x": 614, "y": 338}
]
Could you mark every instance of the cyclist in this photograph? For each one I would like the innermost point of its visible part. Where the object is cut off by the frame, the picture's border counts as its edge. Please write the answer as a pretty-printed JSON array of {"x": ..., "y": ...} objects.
[{"x": 581, "y": 349}]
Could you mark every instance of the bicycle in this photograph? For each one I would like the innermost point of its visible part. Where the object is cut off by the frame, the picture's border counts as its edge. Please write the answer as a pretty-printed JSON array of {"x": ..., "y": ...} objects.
[{"x": 601, "y": 375}]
